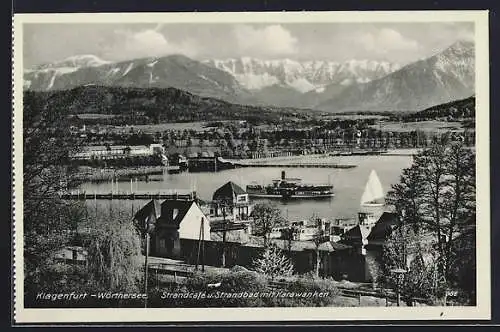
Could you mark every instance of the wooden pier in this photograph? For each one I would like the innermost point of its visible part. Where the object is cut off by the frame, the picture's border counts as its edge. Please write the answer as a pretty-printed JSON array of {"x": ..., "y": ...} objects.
[
  {"x": 170, "y": 194},
  {"x": 295, "y": 165}
]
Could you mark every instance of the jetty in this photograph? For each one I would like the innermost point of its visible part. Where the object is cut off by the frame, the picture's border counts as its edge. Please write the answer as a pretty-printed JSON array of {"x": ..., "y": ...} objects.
[
  {"x": 294, "y": 165},
  {"x": 130, "y": 195}
]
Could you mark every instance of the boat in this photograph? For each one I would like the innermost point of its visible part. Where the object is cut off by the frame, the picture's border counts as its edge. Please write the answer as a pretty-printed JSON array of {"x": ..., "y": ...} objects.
[
  {"x": 373, "y": 196},
  {"x": 290, "y": 188}
]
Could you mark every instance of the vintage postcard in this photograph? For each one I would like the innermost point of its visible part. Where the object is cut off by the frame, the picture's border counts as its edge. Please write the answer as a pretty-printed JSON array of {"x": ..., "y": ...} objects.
[{"x": 279, "y": 166}]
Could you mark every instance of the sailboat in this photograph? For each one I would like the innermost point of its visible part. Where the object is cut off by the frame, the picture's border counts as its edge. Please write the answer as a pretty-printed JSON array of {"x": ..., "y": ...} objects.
[{"x": 373, "y": 196}]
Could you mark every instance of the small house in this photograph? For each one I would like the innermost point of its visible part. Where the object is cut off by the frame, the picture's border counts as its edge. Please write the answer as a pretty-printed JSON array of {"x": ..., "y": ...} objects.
[
  {"x": 179, "y": 219},
  {"x": 232, "y": 202}
]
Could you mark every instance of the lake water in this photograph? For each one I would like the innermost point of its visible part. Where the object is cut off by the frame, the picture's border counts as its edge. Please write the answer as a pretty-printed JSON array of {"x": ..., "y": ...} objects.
[{"x": 348, "y": 184}]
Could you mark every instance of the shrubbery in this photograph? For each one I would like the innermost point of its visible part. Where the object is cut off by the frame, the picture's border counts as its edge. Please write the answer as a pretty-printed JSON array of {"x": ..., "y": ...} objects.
[{"x": 239, "y": 288}]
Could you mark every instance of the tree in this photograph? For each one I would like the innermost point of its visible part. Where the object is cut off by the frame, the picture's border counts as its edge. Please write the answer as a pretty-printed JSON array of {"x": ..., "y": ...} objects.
[
  {"x": 226, "y": 205},
  {"x": 405, "y": 196},
  {"x": 273, "y": 263},
  {"x": 114, "y": 251},
  {"x": 411, "y": 251},
  {"x": 266, "y": 216},
  {"x": 49, "y": 223},
  {"x": 436, "y": 200},
  {"x": 289, "y": 234},
  {"x": 318, "y": 240}
]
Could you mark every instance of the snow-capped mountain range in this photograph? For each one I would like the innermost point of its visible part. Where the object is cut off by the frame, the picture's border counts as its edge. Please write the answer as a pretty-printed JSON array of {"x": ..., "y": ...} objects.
[
  {"x": 303, "y": 76},
  {"x": 446, "y": 76},
  {"x": 250, "y": 73},
  {"x": 325, "y": 85},
  {"x": 156, "y": 72},
  {"x": 84, "y": 60}
]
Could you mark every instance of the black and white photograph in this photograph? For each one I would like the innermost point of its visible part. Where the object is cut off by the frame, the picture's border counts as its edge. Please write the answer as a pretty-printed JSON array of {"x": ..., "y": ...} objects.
[{"x": 264, "y": 161}]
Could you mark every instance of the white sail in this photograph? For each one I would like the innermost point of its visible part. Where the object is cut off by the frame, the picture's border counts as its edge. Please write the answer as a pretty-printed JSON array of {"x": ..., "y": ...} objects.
[{"x": 374, "y": 193}]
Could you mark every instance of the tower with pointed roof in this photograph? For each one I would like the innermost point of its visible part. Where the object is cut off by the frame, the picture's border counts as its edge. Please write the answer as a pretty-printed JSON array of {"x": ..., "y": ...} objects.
[{"x": 232, "y": 202}]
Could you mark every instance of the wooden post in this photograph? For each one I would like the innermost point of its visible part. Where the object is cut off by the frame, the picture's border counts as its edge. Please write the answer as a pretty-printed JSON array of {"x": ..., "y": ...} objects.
[
  {"x": 146, "y": 270},
  {"x": 398, "y": 298},
  {"x": 95, "y": 205},
  {"x": 359, "y": 299},
  {"x": 157, "y": 280},
  {"x": 199, "y": 245},
  {"x": 203, "y": 244},
  {"x": 224, "y": 224},
  {"x": 203, "y": 254}
]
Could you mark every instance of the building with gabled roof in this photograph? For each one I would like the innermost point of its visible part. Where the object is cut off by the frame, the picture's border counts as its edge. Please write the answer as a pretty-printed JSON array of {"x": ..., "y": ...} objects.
[
  {"x": 147, "y": 216},
  {"x": 232, "y": 202},
  {"x": 382, "y": 229},
  {"x": 367, "y": 241},
  {"x": 178, "y": 219},
  {"x": 229, "y": 190},
  {"x": 371, "y": 235}
]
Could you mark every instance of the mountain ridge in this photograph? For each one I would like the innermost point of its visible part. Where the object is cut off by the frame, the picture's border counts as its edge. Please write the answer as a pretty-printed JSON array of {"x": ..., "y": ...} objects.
[
  {"x": 150, "y": 105},
  {"x": 174, "y": 70},
  {"x": 304, "y": 76},
  {"x": 445, "y": 76},
  {"x": 326, "y": 85}
]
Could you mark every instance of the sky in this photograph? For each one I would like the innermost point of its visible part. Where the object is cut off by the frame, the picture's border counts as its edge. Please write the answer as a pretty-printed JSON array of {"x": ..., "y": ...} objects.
[{"x": 395, "y": 42}]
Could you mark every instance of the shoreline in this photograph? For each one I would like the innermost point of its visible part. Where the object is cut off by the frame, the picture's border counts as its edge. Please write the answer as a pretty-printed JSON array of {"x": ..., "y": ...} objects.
[
  {"x": 155, "y": 173},
  {"x": 302, "y": 160},
  {"x": 141, "y": 173}
]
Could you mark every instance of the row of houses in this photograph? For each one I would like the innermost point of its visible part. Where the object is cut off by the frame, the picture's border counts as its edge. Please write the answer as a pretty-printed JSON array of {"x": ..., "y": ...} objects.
[
  {"x": 347, "y": 248},
  {"x": 178, "y": 228},
  {"x": 107, "y": 152}
]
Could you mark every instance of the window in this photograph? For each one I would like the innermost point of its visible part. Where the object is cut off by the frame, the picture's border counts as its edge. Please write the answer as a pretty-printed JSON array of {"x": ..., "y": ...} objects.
[{"x": 162, "y": 243}]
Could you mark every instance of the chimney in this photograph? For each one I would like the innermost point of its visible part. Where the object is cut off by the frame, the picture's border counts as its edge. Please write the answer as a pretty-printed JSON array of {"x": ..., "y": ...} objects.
[{"x": 282, "y": 175}]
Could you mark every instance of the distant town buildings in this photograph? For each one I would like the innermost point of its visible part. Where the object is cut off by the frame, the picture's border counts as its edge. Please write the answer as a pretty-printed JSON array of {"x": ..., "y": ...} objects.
[
  {"x": 107, "y": 152},
  {"x": 207, "y": 162}
]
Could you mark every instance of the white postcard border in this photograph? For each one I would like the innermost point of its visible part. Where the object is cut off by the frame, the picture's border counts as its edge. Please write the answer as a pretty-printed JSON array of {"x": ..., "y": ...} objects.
[{"x": 171, "y": 315}]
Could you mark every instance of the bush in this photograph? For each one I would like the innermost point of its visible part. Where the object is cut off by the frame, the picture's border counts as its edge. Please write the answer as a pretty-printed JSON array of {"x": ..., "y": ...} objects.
[
  {"x": 239, "y": 289},
  {"x": 313, "y": 286},
  {"x": 273, "y": 263},
  {"x": 238, "y": 268},
  {"x": 219, "y": 290}
]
